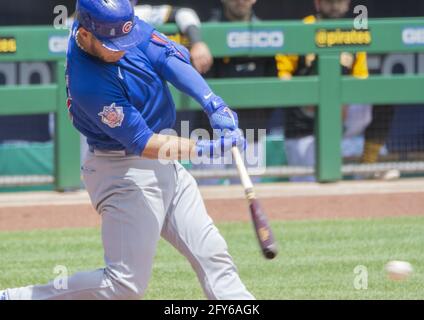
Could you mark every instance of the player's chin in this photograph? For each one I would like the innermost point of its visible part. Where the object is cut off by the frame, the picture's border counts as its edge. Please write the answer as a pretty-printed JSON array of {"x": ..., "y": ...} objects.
[{"x": 335, "y": 15}]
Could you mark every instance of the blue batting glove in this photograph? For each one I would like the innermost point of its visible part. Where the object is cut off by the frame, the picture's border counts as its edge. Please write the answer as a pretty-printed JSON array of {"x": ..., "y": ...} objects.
[
  {"x": 220, "y": 115},
  {"x": 219, "y": 147}
]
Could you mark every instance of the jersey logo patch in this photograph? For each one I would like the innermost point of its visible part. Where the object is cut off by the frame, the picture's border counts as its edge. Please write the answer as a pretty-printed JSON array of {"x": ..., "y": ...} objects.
[{"x": 112, "y": 115}]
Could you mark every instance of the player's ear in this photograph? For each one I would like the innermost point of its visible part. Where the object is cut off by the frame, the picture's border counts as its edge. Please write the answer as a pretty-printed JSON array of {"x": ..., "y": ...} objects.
[{"x": 84, "y": 33}]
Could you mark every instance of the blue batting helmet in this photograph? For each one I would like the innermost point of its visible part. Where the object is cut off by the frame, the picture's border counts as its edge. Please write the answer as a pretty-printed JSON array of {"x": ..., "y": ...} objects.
[{"x": 111, "y": 21}]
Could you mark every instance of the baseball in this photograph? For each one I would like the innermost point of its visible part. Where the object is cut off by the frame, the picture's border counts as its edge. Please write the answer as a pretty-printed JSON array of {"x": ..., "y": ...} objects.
[{"x": 398, "y": 270}]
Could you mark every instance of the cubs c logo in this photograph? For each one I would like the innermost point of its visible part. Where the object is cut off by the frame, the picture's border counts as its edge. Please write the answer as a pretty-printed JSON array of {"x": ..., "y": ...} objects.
[{"x": 127, "y": 27}]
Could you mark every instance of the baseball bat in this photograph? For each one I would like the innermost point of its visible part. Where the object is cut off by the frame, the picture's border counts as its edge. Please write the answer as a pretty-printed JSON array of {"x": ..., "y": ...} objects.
[{"x": 260, "y": 221}]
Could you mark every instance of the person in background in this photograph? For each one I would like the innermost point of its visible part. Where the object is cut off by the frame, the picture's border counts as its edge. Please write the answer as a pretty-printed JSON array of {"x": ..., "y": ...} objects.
[
  {"x": 376, "y": 135},
  {"x": 299, "y": 122},
  {"x": 239, "y": 67},
  {"x": 188, "y": 24},
  {"x": 242, "y": 67}
]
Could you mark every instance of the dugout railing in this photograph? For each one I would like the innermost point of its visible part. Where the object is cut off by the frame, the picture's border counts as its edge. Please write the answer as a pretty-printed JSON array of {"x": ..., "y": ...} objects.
[
  {"x": 46, "y": 44},
  {"x": 329, "y": 90}
]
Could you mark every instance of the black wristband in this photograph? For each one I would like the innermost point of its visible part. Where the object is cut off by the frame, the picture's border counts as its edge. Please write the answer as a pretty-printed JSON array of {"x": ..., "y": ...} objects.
[{"x": 193, "y": 34}]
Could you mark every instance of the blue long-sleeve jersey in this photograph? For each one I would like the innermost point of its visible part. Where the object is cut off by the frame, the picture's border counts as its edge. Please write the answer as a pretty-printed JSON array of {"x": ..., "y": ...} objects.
[{"x": 120, "y": 105}]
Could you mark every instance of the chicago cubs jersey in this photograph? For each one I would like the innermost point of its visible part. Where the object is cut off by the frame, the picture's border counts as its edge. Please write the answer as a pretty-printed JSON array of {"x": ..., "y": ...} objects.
[{"x": 118, "y": 106}]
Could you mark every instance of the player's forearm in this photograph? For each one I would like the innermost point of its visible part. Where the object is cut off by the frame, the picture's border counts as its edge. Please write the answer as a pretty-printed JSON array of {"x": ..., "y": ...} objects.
[
  {"x": 188, "y": 23},
  {"x": 186, "y": 79},
  {"x": 166, "y": 147},
  {"x": 187, "y": 20}
]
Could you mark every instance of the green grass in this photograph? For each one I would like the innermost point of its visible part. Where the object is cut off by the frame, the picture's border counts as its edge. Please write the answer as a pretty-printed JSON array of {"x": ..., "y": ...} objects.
[{"x": 316, "y": 259}]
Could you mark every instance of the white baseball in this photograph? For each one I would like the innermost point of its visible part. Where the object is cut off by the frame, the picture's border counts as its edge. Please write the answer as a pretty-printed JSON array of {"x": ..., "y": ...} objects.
[{"x": 398, "y": 270}]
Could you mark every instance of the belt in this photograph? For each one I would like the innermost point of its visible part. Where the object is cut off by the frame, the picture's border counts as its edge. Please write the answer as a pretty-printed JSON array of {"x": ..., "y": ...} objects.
[{"x": 99, "y": 152}]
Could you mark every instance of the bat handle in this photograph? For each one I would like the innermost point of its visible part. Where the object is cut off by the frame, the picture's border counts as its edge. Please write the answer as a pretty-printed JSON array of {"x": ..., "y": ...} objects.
[{"x": 244, "y": 175}]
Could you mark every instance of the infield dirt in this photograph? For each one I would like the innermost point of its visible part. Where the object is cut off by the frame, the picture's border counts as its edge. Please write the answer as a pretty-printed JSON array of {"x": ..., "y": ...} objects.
[{"x": 50, "y": 210}]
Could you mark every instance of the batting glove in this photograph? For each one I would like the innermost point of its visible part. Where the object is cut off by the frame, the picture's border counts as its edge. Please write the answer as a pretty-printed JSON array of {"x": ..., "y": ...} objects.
[
  {"x": 219, "y": 147},
  {"x": 220, "y": 115}
]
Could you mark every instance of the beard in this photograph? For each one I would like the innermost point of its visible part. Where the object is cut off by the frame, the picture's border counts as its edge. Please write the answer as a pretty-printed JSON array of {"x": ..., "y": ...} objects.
[
  {"x": 239, "y": 14},
  {"x": 333, "y": 15}
]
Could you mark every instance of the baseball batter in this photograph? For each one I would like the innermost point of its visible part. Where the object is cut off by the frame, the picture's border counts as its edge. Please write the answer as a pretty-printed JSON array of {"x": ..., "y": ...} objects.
[{"x": 117, "y": 72}]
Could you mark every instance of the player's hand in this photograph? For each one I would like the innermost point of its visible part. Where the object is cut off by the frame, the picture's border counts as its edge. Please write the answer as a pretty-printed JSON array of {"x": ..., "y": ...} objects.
[
  {"x": 220, "y": 115},
  {"x": 219, "y": 147},
  {"x": 201, "y": 57}
]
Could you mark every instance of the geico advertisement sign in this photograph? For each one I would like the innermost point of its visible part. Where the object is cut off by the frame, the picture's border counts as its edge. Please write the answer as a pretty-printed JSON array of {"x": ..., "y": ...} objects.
[
  {"x": 413, "y": 36},
  {"x": 58, "y": 44},
  {"x": 255, "y": 39}
]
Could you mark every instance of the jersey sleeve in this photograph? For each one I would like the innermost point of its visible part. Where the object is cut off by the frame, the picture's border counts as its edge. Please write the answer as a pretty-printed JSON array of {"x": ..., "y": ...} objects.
[
  {"x": 188, "y": 23},
  {"x": 161, "y": 48},
  {"x": 112, "y": 113},
  {"x": 360, "y": 66},
  {"x": 286, "y": 65},
  {"x": 186, "y": 19},
  {"x": 172, "y": 62},
  {"x": 155, "y": 15}
]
